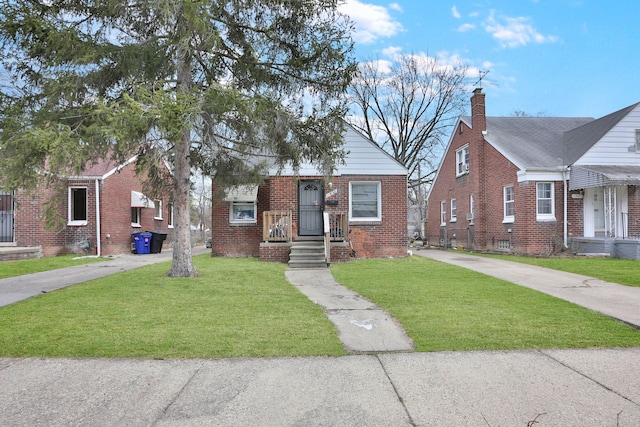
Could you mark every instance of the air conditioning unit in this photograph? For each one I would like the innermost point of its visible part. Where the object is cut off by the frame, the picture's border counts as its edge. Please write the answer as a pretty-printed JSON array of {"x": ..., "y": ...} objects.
[
  {"x": 466, "y": 167},
  {"x": 470, "y": 216}
]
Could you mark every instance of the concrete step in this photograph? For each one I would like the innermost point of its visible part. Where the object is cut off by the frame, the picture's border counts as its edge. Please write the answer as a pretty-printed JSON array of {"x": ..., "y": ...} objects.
[{"x": 307, "y": 254}]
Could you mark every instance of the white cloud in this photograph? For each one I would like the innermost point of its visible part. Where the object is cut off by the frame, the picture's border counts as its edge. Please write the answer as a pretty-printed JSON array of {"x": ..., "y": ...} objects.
[
  {"x": 455, "y": 13},
  {"x": 371, "y": 21},
  {"x": 392, "y": 51},
  {"x": 466, "y": 27},
  {"x": 514, "y": 31},
  {"x": 396, "y": 7}
]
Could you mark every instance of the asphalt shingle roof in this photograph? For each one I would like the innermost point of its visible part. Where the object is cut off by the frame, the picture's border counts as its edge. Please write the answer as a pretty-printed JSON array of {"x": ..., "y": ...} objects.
[{"x": 547, "y": 142}]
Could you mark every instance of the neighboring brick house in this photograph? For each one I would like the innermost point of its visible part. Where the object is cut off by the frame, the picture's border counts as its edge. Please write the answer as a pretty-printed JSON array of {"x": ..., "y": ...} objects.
[
  {"x": 538, "y": 185},
  {"x": 363, "y": 208},
  {"x": 103, "y": 207}
]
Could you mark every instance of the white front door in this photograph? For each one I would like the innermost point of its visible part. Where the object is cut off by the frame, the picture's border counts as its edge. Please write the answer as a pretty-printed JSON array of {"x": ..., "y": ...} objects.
[{"x": 605, "y": 211}]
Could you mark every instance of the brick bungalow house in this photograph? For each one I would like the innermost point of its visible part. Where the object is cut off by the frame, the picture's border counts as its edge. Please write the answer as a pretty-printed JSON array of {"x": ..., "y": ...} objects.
[
  {"x": 539, "y": 185},
  {"x": 103, "y": 208},
  {"x": 362, "y": 208}
]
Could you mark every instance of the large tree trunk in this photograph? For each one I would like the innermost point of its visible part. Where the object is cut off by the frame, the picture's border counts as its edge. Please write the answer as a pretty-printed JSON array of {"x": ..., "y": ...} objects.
[{"x": 182, "y": 265}]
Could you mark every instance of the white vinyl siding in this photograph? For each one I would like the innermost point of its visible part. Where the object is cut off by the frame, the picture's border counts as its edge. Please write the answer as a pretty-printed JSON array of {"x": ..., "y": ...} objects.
[{"x": 616, "y": 147}]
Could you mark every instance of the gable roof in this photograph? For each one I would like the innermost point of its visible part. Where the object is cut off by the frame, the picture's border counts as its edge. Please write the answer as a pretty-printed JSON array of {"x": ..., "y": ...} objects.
[
  {"x": 579, "y": 140},
  {"x": 362, "y": 157},
  {"x": 532, "y": 142}
]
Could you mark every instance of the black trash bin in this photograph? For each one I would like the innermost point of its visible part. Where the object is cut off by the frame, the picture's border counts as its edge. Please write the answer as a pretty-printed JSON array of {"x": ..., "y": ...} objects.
[{"x": 157, "y": 238}]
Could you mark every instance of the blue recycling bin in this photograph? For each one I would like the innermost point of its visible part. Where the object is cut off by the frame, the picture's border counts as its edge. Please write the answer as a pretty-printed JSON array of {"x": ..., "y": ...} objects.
[{"x": 142, "y": 243}]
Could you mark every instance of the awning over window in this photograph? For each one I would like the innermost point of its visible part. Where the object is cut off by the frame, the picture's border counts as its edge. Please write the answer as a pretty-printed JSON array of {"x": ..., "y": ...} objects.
[
  {"x": 139, "y": 200},
  {"x": 242, "y": 193},
  {"x": 602, "y": 176}
]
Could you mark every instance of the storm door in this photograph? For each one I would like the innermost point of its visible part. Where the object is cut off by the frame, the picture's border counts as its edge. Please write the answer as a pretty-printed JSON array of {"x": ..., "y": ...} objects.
[
  {"x": 6, "y": 217},
  {"x": 310, "y": 205}
]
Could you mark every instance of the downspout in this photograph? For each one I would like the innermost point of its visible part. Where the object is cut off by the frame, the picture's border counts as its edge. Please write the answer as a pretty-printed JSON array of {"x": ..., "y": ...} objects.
[
  {"x": 565, "y": 230},
  {"x": 98, "y": 244}
]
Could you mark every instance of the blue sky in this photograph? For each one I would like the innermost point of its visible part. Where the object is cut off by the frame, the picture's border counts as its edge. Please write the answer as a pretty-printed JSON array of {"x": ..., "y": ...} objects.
[{"x": 551, "y": 57}]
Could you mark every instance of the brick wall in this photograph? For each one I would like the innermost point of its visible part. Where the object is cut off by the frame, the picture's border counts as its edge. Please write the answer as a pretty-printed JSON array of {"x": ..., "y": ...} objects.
[
  {"x": 236, "y": 240},
  {"x": 489, "y": 173},
  {"x": 385, "y": 238},
  {"x": 115, "y": 197},
  {"x": 29, "y": 223},
  {"x": 115, "y": 217}
]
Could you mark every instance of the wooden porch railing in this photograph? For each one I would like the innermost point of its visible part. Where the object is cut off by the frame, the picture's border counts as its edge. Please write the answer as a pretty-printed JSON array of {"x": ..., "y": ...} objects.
[
  {"x": 276, "y": 226},
  {"x": 338, "y": 226}
]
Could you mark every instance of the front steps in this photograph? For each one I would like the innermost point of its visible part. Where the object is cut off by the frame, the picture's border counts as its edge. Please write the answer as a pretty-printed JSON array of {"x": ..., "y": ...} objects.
[{"x": 307, "y": 254}]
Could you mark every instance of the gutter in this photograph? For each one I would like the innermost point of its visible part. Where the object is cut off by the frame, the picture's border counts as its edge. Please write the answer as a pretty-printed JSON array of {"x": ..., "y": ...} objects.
[
  {"x": 98, "y": 243},
  {"x": 565, "y": 225}
]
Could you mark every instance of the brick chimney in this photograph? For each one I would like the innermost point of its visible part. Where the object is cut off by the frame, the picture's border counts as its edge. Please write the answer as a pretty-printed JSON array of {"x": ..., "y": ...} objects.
[{"x": 478, "y": 115}]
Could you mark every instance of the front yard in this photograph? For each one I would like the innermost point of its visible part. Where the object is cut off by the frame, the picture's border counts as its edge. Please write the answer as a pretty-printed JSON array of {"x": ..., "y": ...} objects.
[{"x": 246, "y": 308}]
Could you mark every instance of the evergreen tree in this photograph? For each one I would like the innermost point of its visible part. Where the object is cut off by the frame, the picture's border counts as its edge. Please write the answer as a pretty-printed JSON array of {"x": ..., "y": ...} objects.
[{"x": 202, "y": 84}]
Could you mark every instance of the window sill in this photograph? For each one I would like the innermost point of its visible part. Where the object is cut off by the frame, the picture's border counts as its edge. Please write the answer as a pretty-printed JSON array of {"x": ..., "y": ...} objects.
[
  {"x": 157, "y": 218},
  {"x": 135, "y": 225},
  {"x": 244, "y": 223},
  {"x": 454, "y": 220},
  {"x": 77, "y": 223},
  {"x": 508, "y": 221},
  {"x": 546, "y": 219}
]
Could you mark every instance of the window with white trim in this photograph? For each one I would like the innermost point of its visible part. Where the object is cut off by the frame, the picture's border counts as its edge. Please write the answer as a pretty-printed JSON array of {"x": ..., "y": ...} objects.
[
  {"x": 157, "y": 213},
  {"x": 136, "y": 215},
  {"x": 365, "y": 201},
  {"x": 545, "y": 201},
  {"x": 454, "y": 210},
  {"x": 443, "y": 212},
  {"x": 170, "y": 214},
  {"x": 509, "y": 203},
  {"x": 462, "y": 160},
  {"x": 242, "y": 213},
  {"x": 77, "y": 213},
  {"x": 471, "y": 215}
]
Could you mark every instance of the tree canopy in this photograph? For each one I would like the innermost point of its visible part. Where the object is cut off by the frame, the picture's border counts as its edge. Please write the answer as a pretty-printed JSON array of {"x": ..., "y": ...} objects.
[{"x": 201, "y": 84}]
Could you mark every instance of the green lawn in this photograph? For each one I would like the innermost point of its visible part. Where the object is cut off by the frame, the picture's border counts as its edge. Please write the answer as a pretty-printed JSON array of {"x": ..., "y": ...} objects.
[
  {"x": 235, "y": 308},
  {"x": 27, "y": 266},
  {"x": 443, "y": 307},
  {"x": 246, "y": 308},
  {"x": 616, "y": 270}
]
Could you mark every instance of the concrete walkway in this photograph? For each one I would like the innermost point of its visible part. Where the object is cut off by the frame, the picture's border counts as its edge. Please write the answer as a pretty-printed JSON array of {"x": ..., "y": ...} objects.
[
  {"x": 362, "y": 326},
  {"x": 614, "y": 300}
]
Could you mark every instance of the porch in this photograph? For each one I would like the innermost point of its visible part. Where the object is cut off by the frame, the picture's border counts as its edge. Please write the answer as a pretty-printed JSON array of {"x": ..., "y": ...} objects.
[
  {"x": 279, "y": 236},
  {"x": 625, "y": 248}
]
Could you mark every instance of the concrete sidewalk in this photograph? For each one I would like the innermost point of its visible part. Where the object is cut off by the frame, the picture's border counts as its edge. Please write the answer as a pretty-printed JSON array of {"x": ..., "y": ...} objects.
[
  {"x": 553, "y": 387},
  {"x": 614, "y": 300}
]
